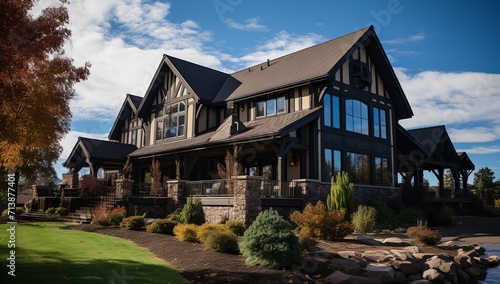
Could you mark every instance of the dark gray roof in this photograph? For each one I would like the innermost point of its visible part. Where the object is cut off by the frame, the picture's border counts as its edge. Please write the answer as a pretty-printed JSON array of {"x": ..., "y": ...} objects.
[
  {"x": 264, "y": 128},
  {"x": 98, "y": 150},
  {"x": 429, "y": 137},
  {"x": 298, "y": 67},
  {"x": 204, "y": 81}
]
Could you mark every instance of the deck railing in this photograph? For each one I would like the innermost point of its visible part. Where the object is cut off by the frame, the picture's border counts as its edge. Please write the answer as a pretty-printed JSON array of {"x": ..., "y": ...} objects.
[
  {"x": 279, "y": 188},
  {"x": 215, "y": 187}
]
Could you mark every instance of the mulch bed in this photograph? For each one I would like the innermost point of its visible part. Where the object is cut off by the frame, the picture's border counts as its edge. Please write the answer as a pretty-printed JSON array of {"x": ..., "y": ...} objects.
[
  {"x": 205, "y": 266},
  {"x": 192, "y": 260}
]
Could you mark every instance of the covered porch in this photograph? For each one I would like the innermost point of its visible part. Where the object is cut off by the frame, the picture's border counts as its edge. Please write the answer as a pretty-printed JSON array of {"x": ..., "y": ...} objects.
[{"x": 431, "y": 149}]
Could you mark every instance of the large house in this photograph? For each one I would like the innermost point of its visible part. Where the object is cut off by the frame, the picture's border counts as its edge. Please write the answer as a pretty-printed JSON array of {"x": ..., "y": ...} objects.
[{"x": 331, "y": 107}]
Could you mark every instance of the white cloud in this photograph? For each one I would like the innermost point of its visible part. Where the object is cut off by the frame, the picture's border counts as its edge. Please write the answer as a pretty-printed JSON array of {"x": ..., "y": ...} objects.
[
  {"x": 481, "y": 150},
  {"x": 472, "y": 135},
  {"x": 454, "y": 99},
  {"x": 251, "y": 24},
  {"x": 405, "y": 40}
]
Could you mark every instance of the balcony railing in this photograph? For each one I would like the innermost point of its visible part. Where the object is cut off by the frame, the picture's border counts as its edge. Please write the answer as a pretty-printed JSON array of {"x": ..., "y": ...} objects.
[
  {"x": 220, "y": 187},
  {"x": 215, "y": 187},
  {"x": 278, "y": 188}
]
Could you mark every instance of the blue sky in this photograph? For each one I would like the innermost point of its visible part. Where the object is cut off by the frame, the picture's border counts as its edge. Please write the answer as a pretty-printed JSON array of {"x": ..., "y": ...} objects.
[{"x": 445, "y": 54}]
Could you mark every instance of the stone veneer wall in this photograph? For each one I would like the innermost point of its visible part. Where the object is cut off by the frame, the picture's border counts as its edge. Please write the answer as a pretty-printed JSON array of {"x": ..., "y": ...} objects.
[
  {"x": 247, "y": 200},
  {"x": 218, "y": 214},
  {"x": 175, "y": 191},
  {"x": 123, "y": 188}
]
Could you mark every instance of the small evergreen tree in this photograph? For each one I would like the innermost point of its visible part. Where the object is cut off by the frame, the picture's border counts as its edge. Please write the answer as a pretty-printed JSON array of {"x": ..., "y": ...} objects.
[
  {"x": 270, "y": 242},
  {"x": 192, "y": 213},
  {"x": 341, "y": 194}
]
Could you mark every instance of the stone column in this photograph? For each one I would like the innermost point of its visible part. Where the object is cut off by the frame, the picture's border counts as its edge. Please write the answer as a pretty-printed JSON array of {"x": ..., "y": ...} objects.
[
  {"x": 72, "y": 180},
  {"x": 175, "y": 190},
  {"x": 124, "y": 188},
  {"x": 247, "y": 198}
]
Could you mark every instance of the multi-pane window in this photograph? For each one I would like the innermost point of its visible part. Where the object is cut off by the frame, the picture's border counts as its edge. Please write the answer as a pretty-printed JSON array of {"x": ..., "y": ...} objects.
[
  {"x": 331, "y": 111},
  {"x": 382, "y": 171},
  {"x": 358, "y": 167},
  {"x": 332, "y": 164},
  {"x": 172, "y": 124},
  {"x": 271, "y": 107},
  {"x": 379, "y": 123},
  {"x": 356, "y": 117},
  {"x": 133, "y": 137}
]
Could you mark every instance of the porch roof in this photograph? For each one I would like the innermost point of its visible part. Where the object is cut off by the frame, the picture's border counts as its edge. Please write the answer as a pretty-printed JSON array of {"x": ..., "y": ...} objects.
[
  {"x": 434, "y": 148},
  {"x": 88, "y": 152},
  {"x": 259, "y": 129}
]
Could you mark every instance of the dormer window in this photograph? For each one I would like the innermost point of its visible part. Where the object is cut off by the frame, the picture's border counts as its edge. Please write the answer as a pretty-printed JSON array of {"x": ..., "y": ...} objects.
[
  {"x": 360, "y": 74},
  {"x": 271, "y": 107}
]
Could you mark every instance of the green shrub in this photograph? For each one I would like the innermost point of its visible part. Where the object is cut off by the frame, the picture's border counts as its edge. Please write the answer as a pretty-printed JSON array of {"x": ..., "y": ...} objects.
[
  {"x": 270, "y": 242},
  {"x": 206, "y": 230},
  {"x": 364, "y": 219},
  {"x": 186, "y": 232},
  {"x": 133, "y": 223},
  {"x": 162, "y": 226},
  {"x": 385, "y": 215},
  {"x": 446, "y": 216},
  {"x": 19, "y": 210},
  {"x": 105, "y": 222},
  {"x": 424, "y": 235},
  {"x": 222, "y": 241},
  {"x": 497, "y": 204},
  {"x": 61, "y": 211},
  {"x": 192, "y": 213},
  {"x": 51, "y": 211},
  {"x": 317, "y": 222},
  {"x": 341, "y": 194},
  {"x": 237, "y": 227},
  {"x": 175, "y": 216}
]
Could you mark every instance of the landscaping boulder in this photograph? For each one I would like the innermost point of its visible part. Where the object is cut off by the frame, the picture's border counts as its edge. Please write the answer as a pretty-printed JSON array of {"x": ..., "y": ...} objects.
[
  {"x": 465, "y": 261},
  {"x": 339, "y": 277},
  {"x": 412, "y": 249},
  {"x": 381, "y": 272},
  {"x": 402, "y": 255},
  {"x": 395, "y": 242},
  {"x": 408, "y": 267},
  {"x": 434, "y": 275},
  {"x": 377, "y": 255},
  {"x": 367, "y": 240},
  {"x": 347, "y": 266}
]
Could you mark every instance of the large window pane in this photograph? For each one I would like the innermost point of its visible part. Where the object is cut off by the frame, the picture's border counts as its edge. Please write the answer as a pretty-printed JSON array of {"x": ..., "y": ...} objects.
[
  {"x": 159, "y": 130},
  {"x": 270, "y": 107},
  {"x": 261, "y": 108},
  {"x": 327, "y": 109},
  {"x": 328, "y": 166},
  {"x": 379, "y": 123},
  {"x": 382, "y": 171},
  {"x": 383, "y": 123},
  {"x": 280, "y": 103},
  {"x": 336, "y": 111},
  {"x": 357, "y": 117},
  {"x": 358, "y": 168}
]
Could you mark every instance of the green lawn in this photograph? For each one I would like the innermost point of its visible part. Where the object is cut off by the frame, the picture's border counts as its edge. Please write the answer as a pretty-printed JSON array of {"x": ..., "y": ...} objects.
[{"x": 46, "y": 254}]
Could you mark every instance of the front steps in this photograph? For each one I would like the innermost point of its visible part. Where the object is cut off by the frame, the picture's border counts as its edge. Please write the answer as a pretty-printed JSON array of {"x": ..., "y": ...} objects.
[{"x": 81, "y": 216}]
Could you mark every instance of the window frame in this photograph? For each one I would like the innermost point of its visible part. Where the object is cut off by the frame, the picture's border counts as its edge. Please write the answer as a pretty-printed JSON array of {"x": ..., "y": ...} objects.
[
  {"x": 263, "y": 110},
  {"x": 357, "y": 118},
  {"x": 172, "y": 115}
]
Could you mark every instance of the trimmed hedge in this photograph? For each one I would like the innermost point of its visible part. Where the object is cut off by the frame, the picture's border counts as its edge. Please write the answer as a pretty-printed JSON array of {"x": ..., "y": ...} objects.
[
  {"x": 186, "y": 232},
  {"x": 237, "y": 227},
  {"x": 136, "y": 223},
  {"x": 222, "y": 241},
  {"x": 163, "y": 226}
]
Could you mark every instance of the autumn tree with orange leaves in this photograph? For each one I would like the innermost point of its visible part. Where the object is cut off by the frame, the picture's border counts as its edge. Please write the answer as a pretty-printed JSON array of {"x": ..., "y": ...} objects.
[{"x": 36, "y": 86}]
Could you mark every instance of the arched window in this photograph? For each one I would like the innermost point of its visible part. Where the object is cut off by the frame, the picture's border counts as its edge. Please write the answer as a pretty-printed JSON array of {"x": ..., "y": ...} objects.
[{"x": 356, "y": 117}]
